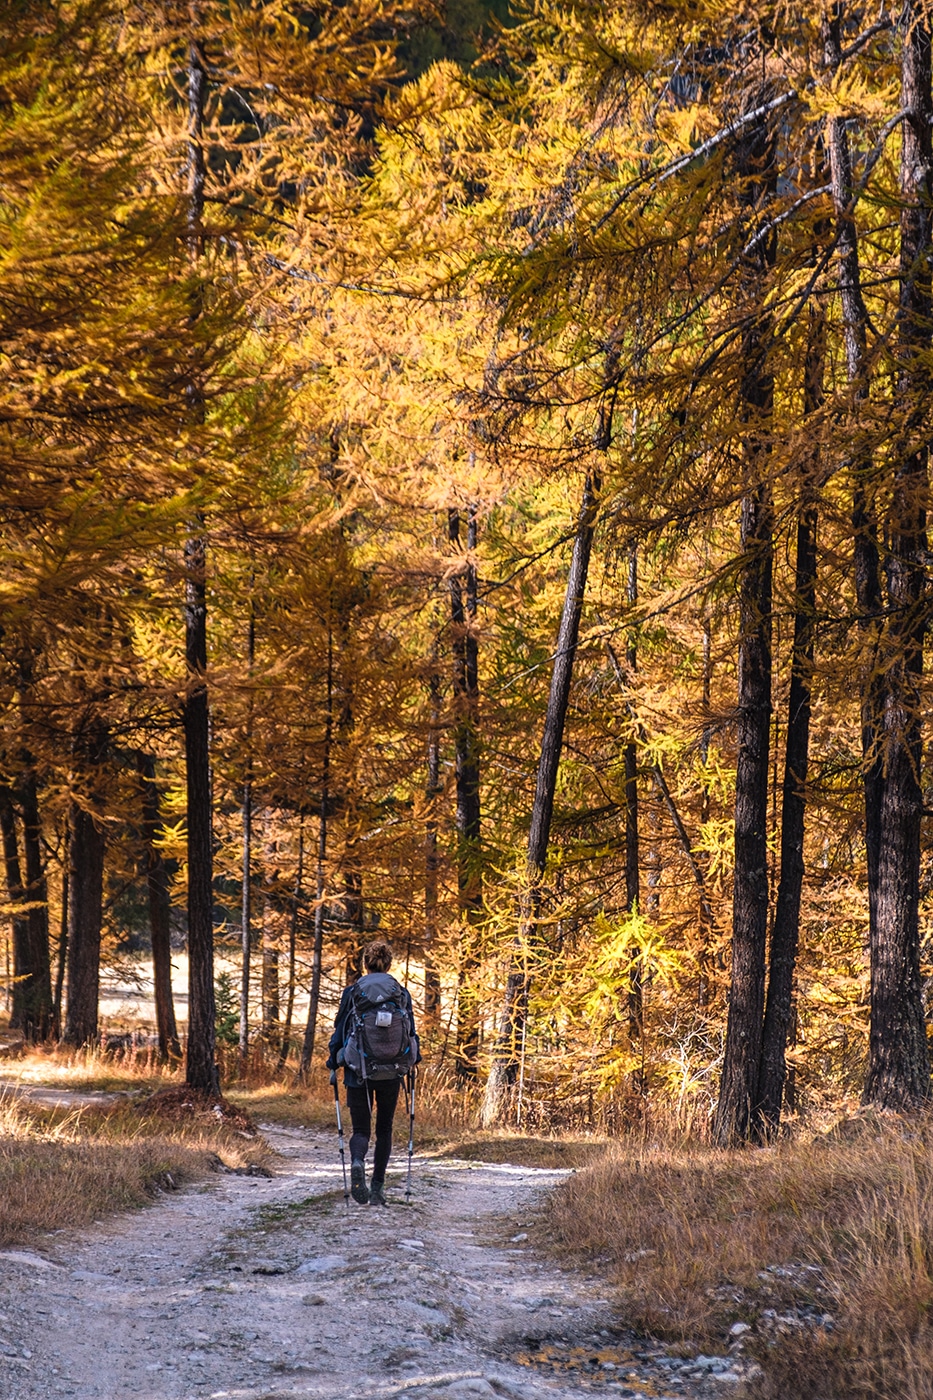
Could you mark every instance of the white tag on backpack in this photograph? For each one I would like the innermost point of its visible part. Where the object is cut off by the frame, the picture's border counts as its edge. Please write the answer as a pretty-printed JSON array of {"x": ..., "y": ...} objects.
[{"x": 383, "y": 1018}]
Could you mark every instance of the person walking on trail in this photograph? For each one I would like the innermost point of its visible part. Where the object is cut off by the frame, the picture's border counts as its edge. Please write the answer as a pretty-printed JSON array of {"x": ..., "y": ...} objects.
[{"x": 375, "y": 1043}]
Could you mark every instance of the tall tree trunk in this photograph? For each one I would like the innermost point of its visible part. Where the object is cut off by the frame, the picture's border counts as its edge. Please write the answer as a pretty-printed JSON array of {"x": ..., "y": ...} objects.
[
  {"x": 201, "y": 1069},
  {"x": 898, "y": 1061},
  {"x": 785, "y": 932},
  {"x": 504, "y": 1066},
  {"x": 246, "y": 922},
  {"x": 20, "y": 1013},
  {"x": 87, "y": 842},
  {"x": 432, "y": 983},
  {"x": 739, "y": 1083},
  {"x": 159, "y": 911},
  {"x": 246, "y": 889},
  {"x": 635, "y": 995},
  {"x": 463, "y": 605},
  {"x": 39, "y": 1010},
  {"x": 292, "y": 942},
  {"x": 707, "y": 921},
  {"x": 270, "y": 933},
  {"x": 866, "y": 557},
  {"x": 62, "y": 941},
  {"x": 317, "y": 954}
]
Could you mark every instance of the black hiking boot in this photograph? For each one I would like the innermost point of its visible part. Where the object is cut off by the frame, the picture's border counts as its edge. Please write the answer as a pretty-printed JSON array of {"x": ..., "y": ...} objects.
[
  {"x": 376, "y": 1197},
  {"x": 358, "y": 1187}
]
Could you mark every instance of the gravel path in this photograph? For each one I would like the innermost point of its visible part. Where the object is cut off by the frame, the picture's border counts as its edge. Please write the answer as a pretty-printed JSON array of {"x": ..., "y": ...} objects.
[{"x": 247, "y": 1288}]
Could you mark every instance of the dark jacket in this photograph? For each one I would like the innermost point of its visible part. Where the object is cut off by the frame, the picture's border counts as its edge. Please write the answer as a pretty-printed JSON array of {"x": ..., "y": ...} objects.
[{"x": 351, "y": 1080}]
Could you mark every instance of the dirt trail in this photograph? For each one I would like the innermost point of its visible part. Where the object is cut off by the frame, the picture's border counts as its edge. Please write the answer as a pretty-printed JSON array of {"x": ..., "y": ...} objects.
[{"x": 265, "y": 1289}]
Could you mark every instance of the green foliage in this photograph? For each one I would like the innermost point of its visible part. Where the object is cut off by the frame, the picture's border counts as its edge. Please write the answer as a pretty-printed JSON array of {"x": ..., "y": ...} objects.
[{"x": 227, "y": 1002}]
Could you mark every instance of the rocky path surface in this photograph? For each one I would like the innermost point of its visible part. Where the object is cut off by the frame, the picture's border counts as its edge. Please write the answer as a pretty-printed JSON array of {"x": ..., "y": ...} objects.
[{"x": 247, "y": 1288}]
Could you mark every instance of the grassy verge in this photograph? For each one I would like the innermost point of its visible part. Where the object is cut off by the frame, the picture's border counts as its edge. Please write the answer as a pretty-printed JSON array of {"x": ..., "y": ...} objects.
[
  {"x": 567, "y": 1150},
  {"x": 86, "y": 1071},
  {"x": 60, "y": 1169},
  {"x": 822, "y": 1250},
  {"x": 444, "y": 1124},
  {"x": 444, "y": 1116}
]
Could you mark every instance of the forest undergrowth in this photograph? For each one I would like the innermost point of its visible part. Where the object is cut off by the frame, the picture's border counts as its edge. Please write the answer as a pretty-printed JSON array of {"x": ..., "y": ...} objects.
[
  {"x": 62, "y": 1167},
  {"x": 446, "y": 1113},
  {"x": 814, "y": 1255}
]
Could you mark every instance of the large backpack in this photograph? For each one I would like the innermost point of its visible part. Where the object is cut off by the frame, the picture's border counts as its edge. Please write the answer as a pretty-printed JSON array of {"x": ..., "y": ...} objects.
[{"x": 380, "y": 1041}]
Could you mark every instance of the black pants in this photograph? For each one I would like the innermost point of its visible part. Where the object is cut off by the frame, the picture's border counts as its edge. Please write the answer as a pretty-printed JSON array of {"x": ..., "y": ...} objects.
[{"x": 359, "y": 1102}]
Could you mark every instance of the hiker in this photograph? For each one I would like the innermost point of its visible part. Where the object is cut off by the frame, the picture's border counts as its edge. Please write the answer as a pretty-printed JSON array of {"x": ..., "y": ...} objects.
[{"x": 375, "y": 1043}]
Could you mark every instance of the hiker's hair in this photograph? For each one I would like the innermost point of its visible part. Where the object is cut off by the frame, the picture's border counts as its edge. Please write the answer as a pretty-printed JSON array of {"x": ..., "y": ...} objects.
[{"x": 377, "y": 956}]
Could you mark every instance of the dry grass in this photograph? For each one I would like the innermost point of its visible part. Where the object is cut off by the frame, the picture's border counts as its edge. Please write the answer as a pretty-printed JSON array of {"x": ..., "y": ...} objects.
[
  {"x": 566, "y": 1150},
  {"x": 695, "y": 1240},
  {"x": 446, "y": 1112},
  {"x": 87, "y": 1070},
  {"x": 60, "y": 1168}
]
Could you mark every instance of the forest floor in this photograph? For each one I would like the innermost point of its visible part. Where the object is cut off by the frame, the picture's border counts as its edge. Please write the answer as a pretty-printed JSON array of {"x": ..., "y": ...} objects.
[{"x": 258, "y": 1287}]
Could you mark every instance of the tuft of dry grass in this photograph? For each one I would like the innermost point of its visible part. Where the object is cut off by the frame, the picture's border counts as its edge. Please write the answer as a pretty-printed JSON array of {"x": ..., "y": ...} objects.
[
  {"x": 91, "y": 1069},
  {"x": 824, "y": 1247},
  {"x": 567, "y": 1150},
  {"x": 65, "y": 1168}
]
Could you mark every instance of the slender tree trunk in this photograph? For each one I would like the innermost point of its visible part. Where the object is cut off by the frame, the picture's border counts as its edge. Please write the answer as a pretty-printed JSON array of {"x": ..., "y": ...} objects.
[
  {"x": 20, "y": 1015},
  {"x": 292, "y": 942},
  {"x": 786, "y": 930},
  {"x": 246, "y": 922},
  {"x": 739, "y": 1083},
  {"x": 463, "y": 606},
  {"x": 432, "y": 983},
  {"x": 201, "y": 1069},
  {"x": 270, "y": 933},
  {"x": 62, "y": 941},
  {"x": 707, "y": 920},
  {"x": 39, "y": 985},
  {"x": 866, "y": 558},
  {"x": 85, "y": 913},
  {"x": 159, "y": 911},
  {"x": 899, "y": 1063},
  {"x": 502, "y": 1071},
  {"x": 246, "y": 892},
  {"x": 87, "y": 844},
  {"x": 635, "y": 996},
  {"x": 317, "y": 954}
]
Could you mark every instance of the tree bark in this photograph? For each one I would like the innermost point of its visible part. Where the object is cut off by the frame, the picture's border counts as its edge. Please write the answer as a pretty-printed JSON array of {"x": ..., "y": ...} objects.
[
  {"x": 246, "y": 889},
  {"x": 504, "y": 1066},
  {"x": 898, "y": 1061},
  {"x": 635, "y": 994},
  {"x": 87, "y": 844},
  {"x": 270, "y": 934},
  {"x": 739, "y": 1083},
  {"x": 62, "y": 943},
  {"x": 39, "y": 1011},
  {"x": 464, "y": 645},
  {"x": 201, "y": 1069},
  {"x": 21, "y": 1017},
  {"x": 785, "y": 933},
  {"x": 292, "y": 942},
  {"x": 866, "y": 558},
  {"x": 159, "y": 911},
  {"x": 432, "y": 983},
  {"x": 317, "y": 955}
]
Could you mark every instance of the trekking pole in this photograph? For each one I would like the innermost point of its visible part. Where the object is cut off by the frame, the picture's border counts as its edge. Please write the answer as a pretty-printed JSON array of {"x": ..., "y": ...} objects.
[
  {"x": 410, "y": 1097},
  {"x": 343, "y": 1160}
]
